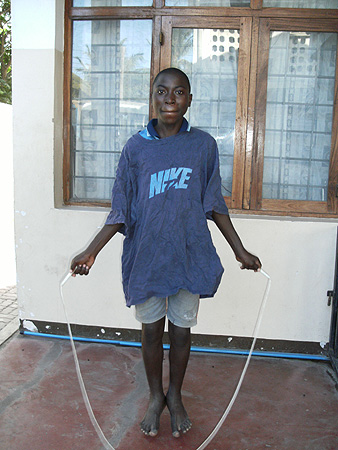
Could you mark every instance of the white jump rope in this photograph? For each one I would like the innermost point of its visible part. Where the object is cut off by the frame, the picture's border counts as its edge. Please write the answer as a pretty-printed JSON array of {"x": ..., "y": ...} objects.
[{"x": 207, "y": 441}]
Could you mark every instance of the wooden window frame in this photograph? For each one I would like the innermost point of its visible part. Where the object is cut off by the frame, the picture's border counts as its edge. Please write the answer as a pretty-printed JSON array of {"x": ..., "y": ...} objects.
[
  {"x": 255, "y": 24},
  {"x": 244, "y": 25},
  {"x": 296, "y": 207}
]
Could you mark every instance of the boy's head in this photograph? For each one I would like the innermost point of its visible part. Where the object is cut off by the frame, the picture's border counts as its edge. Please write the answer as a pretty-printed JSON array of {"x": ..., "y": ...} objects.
[
  {"x": 171, "y": 96},
  {"x": 174, "y": 71}
]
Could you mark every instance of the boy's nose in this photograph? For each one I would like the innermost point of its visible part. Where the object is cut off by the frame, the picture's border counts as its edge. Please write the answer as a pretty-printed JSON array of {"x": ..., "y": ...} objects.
[{"x": 170, "y": 98}]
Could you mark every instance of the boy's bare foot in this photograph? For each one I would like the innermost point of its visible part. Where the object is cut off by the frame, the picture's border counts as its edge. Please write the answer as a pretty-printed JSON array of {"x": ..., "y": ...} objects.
[
  {"x": 151, "y": 421},
  {"x": 180, "y": 421}
]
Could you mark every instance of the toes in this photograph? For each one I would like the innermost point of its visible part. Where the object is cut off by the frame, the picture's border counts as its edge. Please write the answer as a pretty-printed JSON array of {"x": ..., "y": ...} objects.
[
  {"x": 174, "y": 428},
  {"x": 186, "y": 425},
  {"x": 148, "y": 430},
  {"x": 183, "y": 428},
  {"x": 144, "y": 428},
  {"x": 153, "y": 433},
  {"x": 180, "y": 422},
  {"x": 151, "y": 421}
]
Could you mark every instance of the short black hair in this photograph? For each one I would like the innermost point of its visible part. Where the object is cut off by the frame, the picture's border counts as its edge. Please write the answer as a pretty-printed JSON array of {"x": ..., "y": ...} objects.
[{"x": 175, "y": 71}]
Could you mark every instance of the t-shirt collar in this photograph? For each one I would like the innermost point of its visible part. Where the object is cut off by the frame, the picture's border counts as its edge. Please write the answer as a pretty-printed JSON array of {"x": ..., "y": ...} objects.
[{"x": 151, "y": 132}]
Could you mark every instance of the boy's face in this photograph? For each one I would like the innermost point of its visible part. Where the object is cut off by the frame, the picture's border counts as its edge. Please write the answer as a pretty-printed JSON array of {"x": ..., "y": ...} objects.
[{"x": 170, "y": 98}]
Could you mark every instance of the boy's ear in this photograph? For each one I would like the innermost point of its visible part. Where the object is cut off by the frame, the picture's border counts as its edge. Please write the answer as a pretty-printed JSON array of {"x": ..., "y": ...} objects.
[{"x": 190, "y": 99}]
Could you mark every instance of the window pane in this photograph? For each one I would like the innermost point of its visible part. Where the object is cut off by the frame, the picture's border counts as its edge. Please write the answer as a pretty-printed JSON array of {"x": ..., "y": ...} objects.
[
  {"x": 319, "y": 4},
  {"x": 235, "y": 3},
  {"x": 300, "y": 99},
  {"x": 111, "y": 3},
  {"x": 110, "y": 97},
  {"x": 210, "y": 59}
]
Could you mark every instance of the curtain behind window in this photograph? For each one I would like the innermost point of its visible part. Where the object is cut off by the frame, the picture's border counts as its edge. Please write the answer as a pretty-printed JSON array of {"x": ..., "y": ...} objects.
[
  {"x": 301, "y": 79},
  {"x": 110, "y": 97}
]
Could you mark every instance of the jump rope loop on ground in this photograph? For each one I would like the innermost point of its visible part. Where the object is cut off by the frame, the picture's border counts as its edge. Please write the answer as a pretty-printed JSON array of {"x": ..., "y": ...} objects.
[
  {"x": 91, "y": 414},
  {"x": 207, "y": 441}
]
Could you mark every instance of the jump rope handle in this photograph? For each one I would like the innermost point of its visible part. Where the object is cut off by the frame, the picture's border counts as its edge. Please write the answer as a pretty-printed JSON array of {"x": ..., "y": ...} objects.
[
  {"x": 66, "y": 278},
  {"x": 265, "y": 274}
]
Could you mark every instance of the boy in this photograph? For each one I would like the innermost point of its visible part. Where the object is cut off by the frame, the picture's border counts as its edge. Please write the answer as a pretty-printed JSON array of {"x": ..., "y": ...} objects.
[{"x": 167, "y": 185}]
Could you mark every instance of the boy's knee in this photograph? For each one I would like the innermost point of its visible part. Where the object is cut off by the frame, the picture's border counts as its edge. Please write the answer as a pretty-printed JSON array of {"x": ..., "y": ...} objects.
[
  {"x": 152, "y": 332},
  {"x": 178, "y": 335}
]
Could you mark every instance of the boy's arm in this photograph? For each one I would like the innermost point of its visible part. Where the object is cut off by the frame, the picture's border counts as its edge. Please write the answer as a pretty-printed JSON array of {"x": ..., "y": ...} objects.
[
  {"x": 82, "y": 263},
  {"x": 226, "y": 227}
]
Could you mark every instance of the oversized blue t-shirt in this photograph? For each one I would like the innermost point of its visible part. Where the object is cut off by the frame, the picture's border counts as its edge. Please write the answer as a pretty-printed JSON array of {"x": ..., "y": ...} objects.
[{"x": 163, "y": 194}]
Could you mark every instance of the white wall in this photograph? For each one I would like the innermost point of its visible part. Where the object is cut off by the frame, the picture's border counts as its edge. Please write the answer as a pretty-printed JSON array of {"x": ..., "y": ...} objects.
[
  {"x": 7, "y": 261},
  {"x": 298, "y": 254}
]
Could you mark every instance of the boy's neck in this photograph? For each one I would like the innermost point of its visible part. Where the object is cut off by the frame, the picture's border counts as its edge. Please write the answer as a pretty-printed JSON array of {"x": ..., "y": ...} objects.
[{"x": 167, "y": 130}]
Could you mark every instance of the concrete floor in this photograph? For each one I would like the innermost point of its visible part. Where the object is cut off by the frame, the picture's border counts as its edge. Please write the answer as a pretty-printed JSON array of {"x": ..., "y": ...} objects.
[
  {"x": 9, "y": 314},
  {"x": 283, "y": 404}
]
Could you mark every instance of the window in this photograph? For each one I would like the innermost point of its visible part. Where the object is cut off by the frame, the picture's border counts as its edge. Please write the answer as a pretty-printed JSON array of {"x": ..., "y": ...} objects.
[
  {"x": 111, "y": 3},
  {"x": 238, "y": 3},
  {"x": 328, "y": 4},
  {"x": 210, "y": 59},
  {"x": 110, "y": 85},
  {"x": 300, "y": 97},
  {"x": 295, "y": 144},
  {"x": 264, "y": 84}
]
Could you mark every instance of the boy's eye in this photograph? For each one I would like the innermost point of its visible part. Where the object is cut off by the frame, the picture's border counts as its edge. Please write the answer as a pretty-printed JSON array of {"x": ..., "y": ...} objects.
[
  {"x": 179, "y": 92},
  {"x": 160, "y": 91}
]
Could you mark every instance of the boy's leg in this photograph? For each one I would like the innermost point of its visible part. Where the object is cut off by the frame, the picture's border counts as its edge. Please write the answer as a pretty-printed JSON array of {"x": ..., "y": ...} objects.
[
  {"x": 180, "y": 342},
  {"x": 152, "y": 351}
]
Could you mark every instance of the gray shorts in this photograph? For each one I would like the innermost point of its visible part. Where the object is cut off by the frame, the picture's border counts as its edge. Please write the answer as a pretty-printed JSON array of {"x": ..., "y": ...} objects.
[{"x": 181, "y": 309}]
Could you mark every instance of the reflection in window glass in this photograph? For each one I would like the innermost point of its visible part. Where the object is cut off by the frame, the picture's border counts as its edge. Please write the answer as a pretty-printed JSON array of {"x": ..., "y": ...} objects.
[
  {"x": 110, "y": 97},
  {"x": 210, "y": 59},
  {"x": 234, "y": 3},
  {"x": 300, "y": 99},
  {"x": 318, "y": 4},
  {"x": 111, "y": 3}
]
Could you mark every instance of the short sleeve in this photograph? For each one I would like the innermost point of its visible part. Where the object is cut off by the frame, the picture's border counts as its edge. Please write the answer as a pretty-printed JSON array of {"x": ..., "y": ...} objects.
[
  {"x": 213, "y": 199},
  {"x": 121, "y": 196}
]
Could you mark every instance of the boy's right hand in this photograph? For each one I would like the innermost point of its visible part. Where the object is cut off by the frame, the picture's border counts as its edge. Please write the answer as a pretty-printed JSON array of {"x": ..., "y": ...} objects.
[{"x": 82, "y": 263}]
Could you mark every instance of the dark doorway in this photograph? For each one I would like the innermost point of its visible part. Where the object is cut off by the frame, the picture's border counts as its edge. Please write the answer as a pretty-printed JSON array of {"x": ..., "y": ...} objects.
[{"x": 333, "y": 344}]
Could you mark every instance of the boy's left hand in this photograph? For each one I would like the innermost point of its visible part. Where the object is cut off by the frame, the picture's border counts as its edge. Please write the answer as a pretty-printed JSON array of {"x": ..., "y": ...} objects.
[{"x": 249, "y": 261}]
